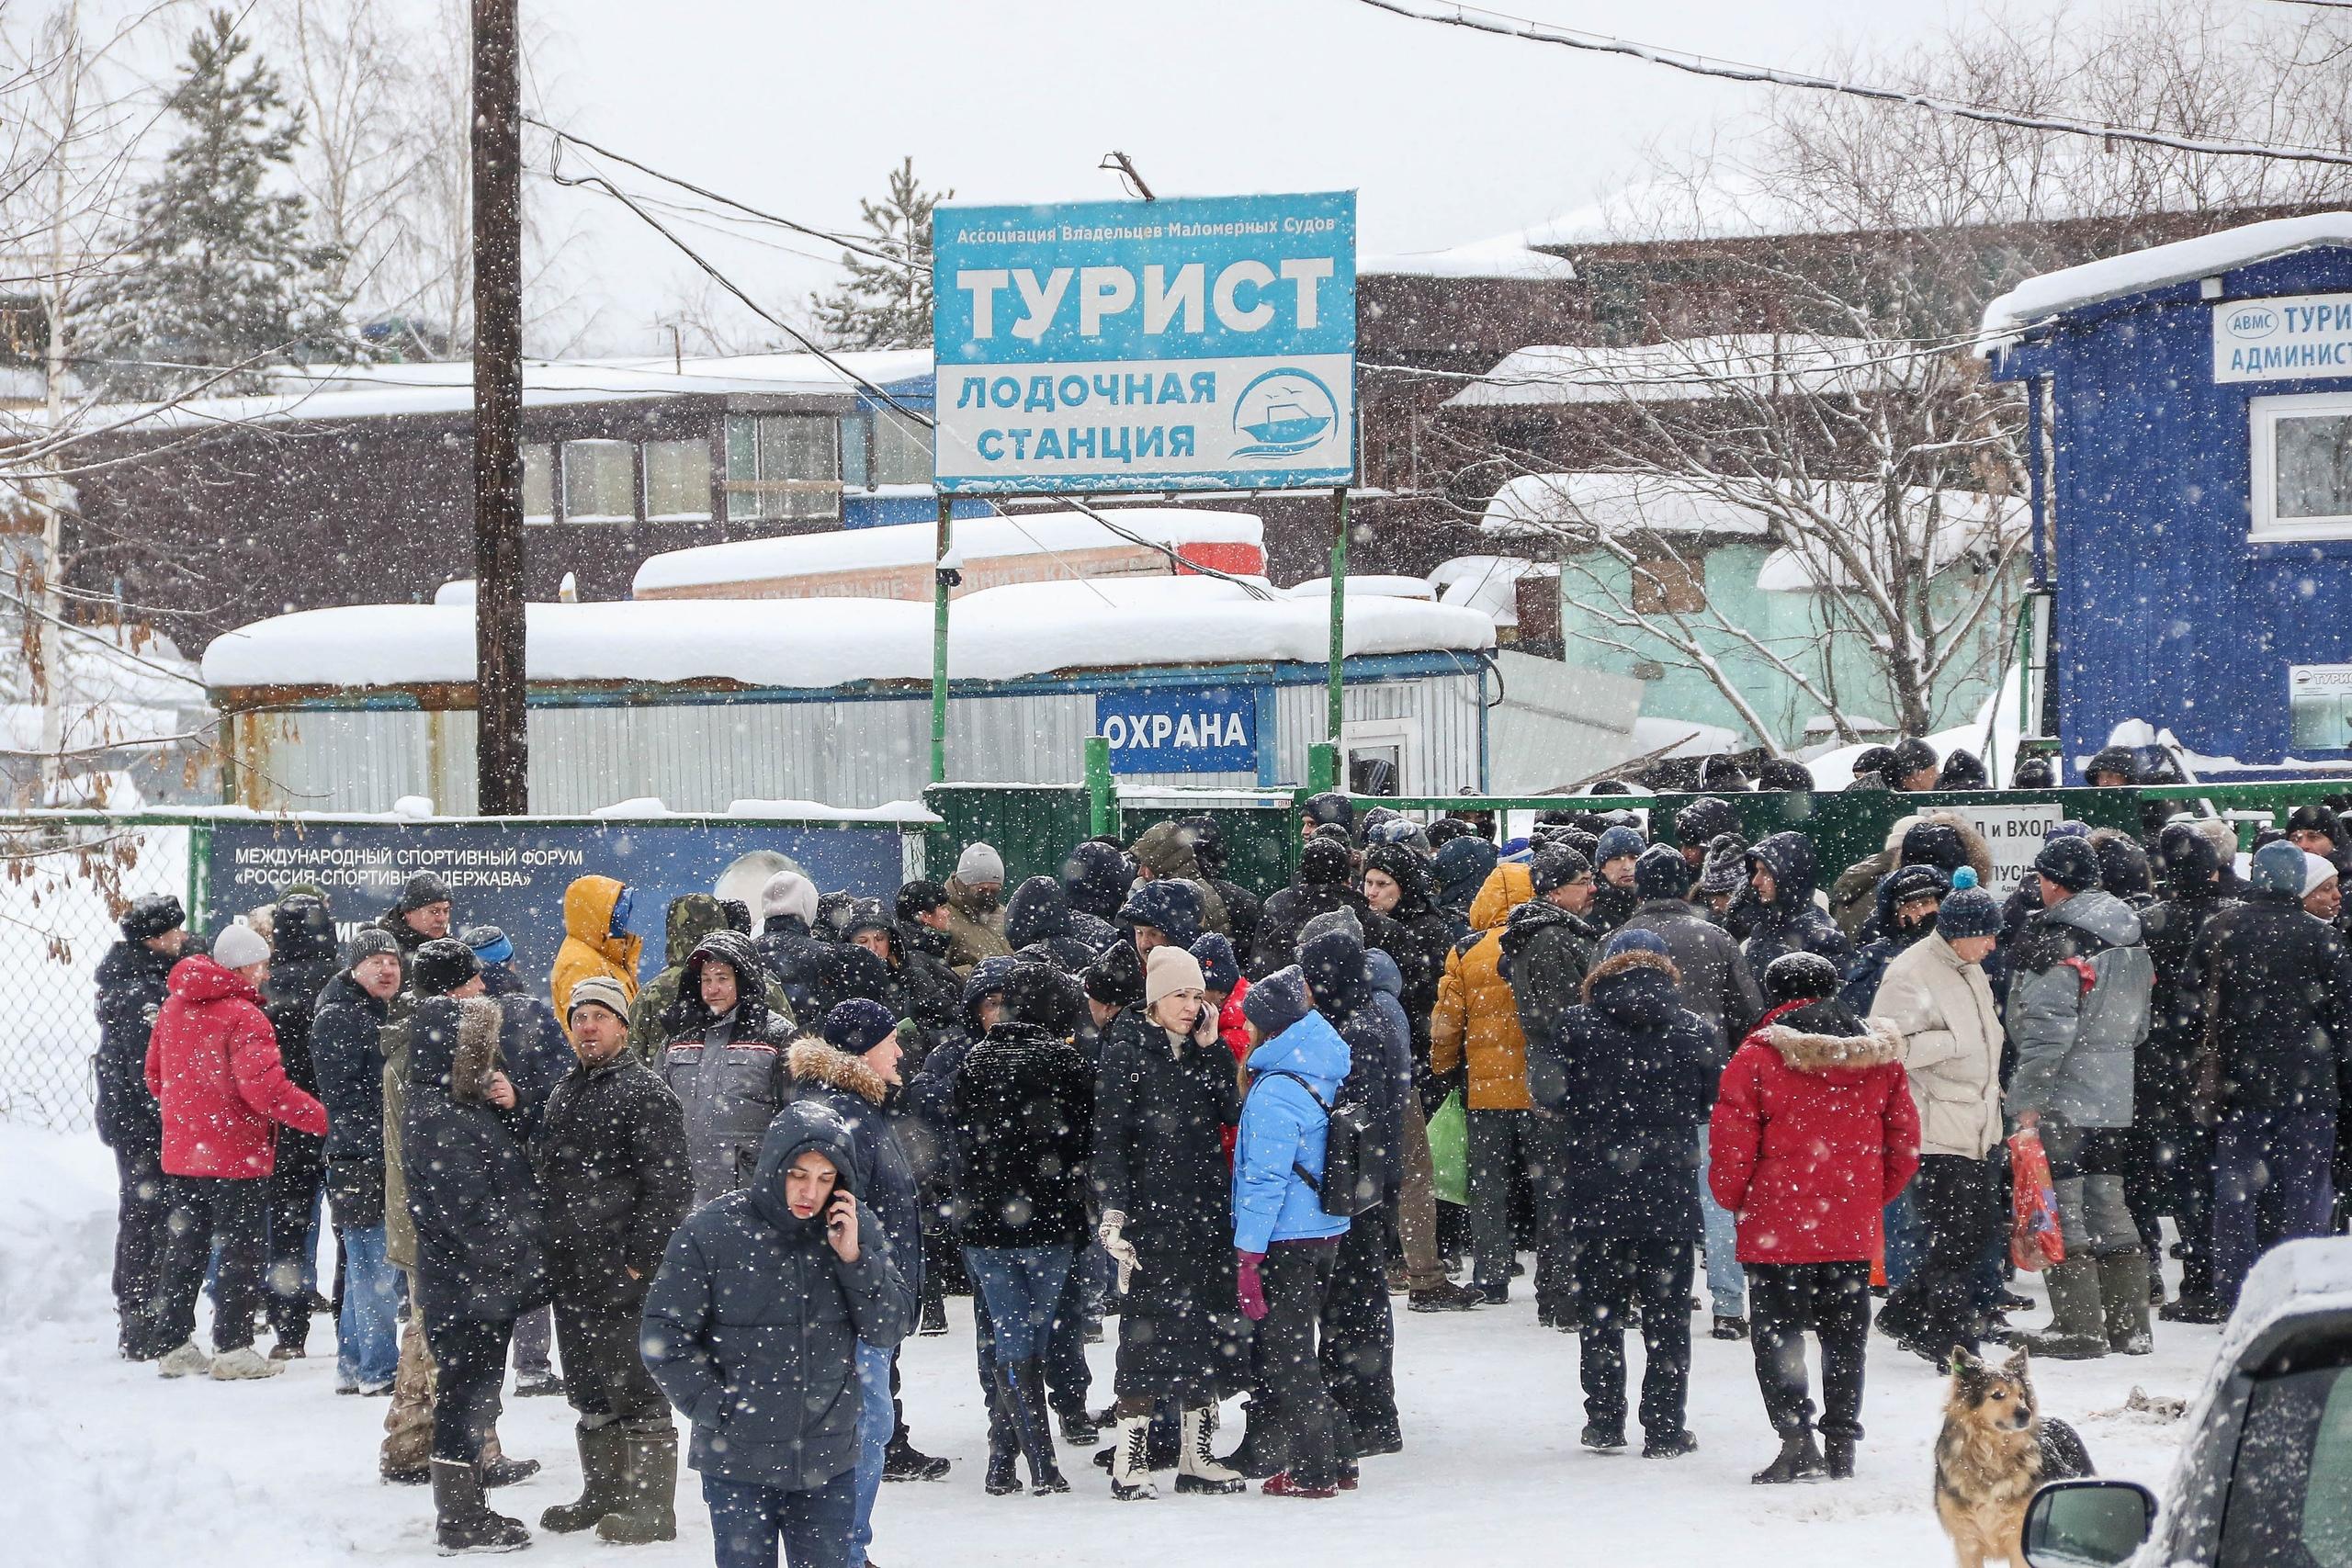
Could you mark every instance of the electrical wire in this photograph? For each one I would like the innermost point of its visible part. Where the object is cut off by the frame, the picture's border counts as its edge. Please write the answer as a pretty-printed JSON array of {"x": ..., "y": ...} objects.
[{"x": 1504, "y": 25}]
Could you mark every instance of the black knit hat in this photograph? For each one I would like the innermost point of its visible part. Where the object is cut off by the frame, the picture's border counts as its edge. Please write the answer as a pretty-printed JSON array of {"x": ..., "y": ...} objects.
[
  {"x": 1034, "y": 995},
  {"x": 1555, "y": 867},
  {"x": 441, "y": 965},
  {"x": 1800, "y": 977},
  {"x": 1909, "y": 756},
  {"x": 1661, "y": 873},
  {"x": 152, "y": 917},
  {"x": 421, "y": 891},
  {"x": 1278, "y": 1001},
  {"x": 2069, "y": 862},
  {"x": 1115, "y": 977}
]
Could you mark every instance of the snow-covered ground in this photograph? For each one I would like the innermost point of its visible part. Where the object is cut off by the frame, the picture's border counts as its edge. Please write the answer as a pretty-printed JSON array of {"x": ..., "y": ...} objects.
[{"x": 110, "y": 1465}]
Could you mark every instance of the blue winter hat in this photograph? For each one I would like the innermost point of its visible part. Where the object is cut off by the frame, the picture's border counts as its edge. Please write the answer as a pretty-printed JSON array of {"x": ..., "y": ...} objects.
[
  {"x": 1617, "y": 844},
  {"x": 1969, "y": 911},
  {"x": 2072, "y": 864},
  {"x": 490, "y": 945},
  {"x": 2069, "y": 828},
  {"x": 1635, "y": 940},
  {"x": 2277, "y": 868},
  {"x": 1219, "y": 969},
  {"x": 1278, "y": 1001},
  {"x": 858, "y": 1025}
]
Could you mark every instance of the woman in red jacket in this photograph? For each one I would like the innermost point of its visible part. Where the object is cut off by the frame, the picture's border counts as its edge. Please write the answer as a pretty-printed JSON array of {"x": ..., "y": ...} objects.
[
  {"x": 212, "y": 1066},
  {"x": 1813, "y": 1134}
]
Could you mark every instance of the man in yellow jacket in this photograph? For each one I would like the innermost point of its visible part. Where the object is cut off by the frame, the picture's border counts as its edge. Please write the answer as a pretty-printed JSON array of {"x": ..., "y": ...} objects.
[
  {"x": 596, "y": 941},
  {"x": 1476, "y": 1028}
]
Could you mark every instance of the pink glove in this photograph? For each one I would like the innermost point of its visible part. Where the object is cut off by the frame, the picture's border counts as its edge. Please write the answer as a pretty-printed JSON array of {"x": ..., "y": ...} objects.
[{"x": 1252, "y": 1290}]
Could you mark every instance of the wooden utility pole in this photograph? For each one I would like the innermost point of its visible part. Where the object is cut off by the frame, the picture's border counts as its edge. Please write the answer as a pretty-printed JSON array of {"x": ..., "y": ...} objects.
[{"x": 502, "y": 760}]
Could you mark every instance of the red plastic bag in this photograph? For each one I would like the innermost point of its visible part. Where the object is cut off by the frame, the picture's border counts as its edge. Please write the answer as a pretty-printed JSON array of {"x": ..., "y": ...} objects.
[{"x": 2035, "y": 1242}]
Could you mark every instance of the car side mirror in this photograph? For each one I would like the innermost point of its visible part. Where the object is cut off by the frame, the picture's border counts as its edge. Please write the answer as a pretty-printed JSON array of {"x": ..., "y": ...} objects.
[{"x": 2086, "y": 1524}]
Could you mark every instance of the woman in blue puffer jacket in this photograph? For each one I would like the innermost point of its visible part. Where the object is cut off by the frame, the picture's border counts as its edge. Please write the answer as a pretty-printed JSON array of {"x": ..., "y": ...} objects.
[{"x": 1285, "y": 1245}]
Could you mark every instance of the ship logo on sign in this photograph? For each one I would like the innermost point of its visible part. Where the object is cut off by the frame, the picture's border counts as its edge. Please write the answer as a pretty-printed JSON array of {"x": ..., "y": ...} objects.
[{"x": 1284, "y": 412}]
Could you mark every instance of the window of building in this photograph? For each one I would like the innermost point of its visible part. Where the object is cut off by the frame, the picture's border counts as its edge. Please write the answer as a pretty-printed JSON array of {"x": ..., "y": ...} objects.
[
  {"x": 677, "y": 482},
  {"x": 2302, "y": 467},
  {"x": 539, "y": 483},
  {"x": 902, "y": 450},
  {"x": 782, "y": 467},
  {"x": 599, "y": 482},
  {"x": 1668, "y": 585}
]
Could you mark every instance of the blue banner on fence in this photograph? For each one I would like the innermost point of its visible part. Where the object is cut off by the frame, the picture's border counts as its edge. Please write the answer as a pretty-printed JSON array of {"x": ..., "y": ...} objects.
[
  {"x": 513, "y": 876},
  {"x": 1194, "y": 344},
  {"x": 1210, "y": 729}
]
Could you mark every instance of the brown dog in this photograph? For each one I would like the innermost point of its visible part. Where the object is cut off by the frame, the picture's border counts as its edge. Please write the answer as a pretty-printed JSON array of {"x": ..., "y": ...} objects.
[{"x": 1994, "y": 1452}]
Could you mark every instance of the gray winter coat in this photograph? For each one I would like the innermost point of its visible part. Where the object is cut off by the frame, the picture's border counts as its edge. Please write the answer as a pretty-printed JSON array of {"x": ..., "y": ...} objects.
[
  {"x": 729, "y": 1072},
  {"x": 2078, "y": 1008},
  {"x": 751, "y": 1325},
  {"x": 1717, "y": 985}
]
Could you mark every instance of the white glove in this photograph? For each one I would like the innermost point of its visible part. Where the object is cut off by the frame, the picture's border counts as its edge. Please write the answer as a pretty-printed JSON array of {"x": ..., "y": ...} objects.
[{"x": 1121, "y": 1250}]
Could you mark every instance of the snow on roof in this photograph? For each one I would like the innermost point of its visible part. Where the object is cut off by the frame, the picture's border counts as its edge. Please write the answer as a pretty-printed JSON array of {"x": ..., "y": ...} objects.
[
  {"x": 996, "y": 634},
  {"x": 912, "y": 544},
  {"x": 1369, "y": 585},
  {"x": 2157, "y": 266},
  {"x": 373, "y": 391},
  {"x": 1613, "y": 502},
  {"x": 1656, "y": 734},
  {"x": 1667, "y": 209},
  {"x": 1487, "y": 583},
  {"x": 1502, "y": 256},
  {"x": 1737, "y": 364}
]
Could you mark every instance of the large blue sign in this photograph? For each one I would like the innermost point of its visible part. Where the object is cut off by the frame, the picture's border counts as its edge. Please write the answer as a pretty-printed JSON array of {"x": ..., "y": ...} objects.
[
  {"x": 1200, "y": 344},
  {"x": 513, "y": 876},
  {"x": 1207, "y": 729}
]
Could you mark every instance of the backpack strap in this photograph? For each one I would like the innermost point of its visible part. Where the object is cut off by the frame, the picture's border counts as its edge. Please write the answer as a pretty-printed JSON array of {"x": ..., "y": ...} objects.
[{"x": 1314, "y": 1184}]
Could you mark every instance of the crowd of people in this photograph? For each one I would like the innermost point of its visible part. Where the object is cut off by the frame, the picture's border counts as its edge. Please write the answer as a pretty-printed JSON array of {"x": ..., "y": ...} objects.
[{"x": 1131, "y": 1091}]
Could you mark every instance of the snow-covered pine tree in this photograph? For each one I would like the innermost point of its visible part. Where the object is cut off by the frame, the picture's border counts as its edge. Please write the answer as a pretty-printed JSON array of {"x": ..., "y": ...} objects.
[
  {"x": 218, "y": 272},
  {"x": 887, "y": 304}
]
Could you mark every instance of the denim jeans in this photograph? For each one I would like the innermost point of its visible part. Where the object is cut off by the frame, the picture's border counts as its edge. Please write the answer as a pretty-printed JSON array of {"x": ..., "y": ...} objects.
[
  {"x": 747, "y": 1520},
  {"x": 1726, "y": 1280},
  {"x": 1022, "y": 1285},
  {"x": 2273, "y": 1181},
  {"x": 876, "y": 1419},
  {"x": 1906, "y": 1242},
  {"x": 368, "y": 1335}
]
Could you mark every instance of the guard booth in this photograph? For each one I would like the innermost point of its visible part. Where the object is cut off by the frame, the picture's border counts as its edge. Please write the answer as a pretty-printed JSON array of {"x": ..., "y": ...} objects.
[{"x": 2195, "y": 504}]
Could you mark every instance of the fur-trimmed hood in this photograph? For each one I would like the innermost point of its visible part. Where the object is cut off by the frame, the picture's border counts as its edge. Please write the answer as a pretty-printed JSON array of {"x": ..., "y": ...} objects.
[
  {"x": 1638, "y": 989},
  {"x": 811, "y": 1059},
  {"x": 1636, "y": 958},
  {"x": 1979, "y": 852},
  {"x": 1805, "y": 1051}
]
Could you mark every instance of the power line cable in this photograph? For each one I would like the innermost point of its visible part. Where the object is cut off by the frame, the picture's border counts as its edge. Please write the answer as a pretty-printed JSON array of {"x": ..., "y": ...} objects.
[{"x": 1503, "y": 24}]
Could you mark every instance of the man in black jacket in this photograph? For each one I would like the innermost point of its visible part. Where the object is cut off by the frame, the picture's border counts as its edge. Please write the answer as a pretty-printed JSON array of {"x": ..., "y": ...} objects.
[
  {"x": 131, "y": 986},
  {"x": 1324, "y": 866},
  {"x": 794, "y": 955},
  {"x": 2172, "y": 1153},
  {"x": 420, "y": 915},
  {"x": 302, "y": 960},
  {"x": 2282, "y": 1016},
  {"x": 611, "y": 1157},
  {"x": 347, "y": 1052}
]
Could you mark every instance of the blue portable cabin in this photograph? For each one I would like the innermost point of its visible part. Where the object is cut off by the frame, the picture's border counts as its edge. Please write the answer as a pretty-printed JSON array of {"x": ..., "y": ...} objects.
[{"x": 2197, "y": 491}]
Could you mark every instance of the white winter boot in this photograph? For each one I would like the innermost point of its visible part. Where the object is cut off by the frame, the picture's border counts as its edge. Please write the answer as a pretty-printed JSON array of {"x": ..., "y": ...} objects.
[
  {"x": 245, "y": 1361},
  {"x": 187, "y": 1361},
  {"x": 1131, "y": 1459},
  {"x": 1196, "y": 1467}
]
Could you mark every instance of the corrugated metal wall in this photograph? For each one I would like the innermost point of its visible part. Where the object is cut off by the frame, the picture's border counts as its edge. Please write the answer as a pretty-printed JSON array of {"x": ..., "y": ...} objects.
[{"x": 703, "y": 756}]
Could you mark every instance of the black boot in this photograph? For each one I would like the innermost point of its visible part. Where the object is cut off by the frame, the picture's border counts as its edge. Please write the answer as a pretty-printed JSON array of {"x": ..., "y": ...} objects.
[
  {"x": 648, "y": 1506},
  {"x": 1838, "y": 1457},
  {"x": 904, "y": 1461},
  {"x": 602, "y": 1455},
  {"x": 1022, "y": 1387},
  {"x": 1800, "y": 1460},
  {"x": 463, "y": 1522}
]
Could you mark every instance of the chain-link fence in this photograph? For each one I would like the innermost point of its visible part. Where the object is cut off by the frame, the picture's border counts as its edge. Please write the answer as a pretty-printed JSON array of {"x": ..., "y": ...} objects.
[{"x": 62, "y": 879}]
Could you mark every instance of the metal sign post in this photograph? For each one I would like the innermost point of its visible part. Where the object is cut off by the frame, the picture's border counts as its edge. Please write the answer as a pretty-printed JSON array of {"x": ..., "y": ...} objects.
[{"x": 943, "y": 577}]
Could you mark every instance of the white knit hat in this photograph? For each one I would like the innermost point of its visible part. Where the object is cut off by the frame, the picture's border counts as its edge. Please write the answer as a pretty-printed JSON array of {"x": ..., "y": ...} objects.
[
  {"x": 1170, "y": 969},
  {"x": 2316, "y": 872},
  {"x": 979, "y": 862},
  {"x": 240, "y": 947},
  {"x": 789, "y": 893}
]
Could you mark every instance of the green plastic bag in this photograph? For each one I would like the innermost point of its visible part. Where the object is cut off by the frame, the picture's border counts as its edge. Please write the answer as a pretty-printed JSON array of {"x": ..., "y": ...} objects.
[{"x": 1450, "y": 1151}]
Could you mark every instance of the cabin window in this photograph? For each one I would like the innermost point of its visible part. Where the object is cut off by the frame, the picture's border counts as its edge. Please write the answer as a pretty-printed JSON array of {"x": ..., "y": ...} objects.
[
  {"x": 599, "y": 482},
  {"x": 677, "y": 482},
  {"x": 902, "y": 450},
  {"x": 782, "y": 467},
  {"x": 2302, "y": 467},
  {"x": 539, "y": 483}
]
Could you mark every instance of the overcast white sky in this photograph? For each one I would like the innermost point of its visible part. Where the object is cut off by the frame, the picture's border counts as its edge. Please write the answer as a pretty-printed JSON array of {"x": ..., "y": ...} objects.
[{"x": 1448, "y": 136}]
